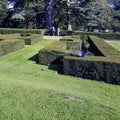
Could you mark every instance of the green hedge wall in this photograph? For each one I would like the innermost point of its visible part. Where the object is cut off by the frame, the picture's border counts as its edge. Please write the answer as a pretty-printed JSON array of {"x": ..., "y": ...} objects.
[
  {"x": 52, "y": 53},
  {"x": 108, "y": 36},
  {"x": 32, "y": 39},
  {"x": 102, "y": 68},
  {"x": 92, "y": 68},
  {"x": 103, "y": 47},
  {"x": 7, "y": 47},
  {"x": 57, "y": 50},
  {"x": 14, "y": 30}
]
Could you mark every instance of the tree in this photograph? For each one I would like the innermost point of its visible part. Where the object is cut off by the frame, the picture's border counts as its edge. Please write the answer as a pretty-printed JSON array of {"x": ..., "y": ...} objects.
[
  {"x": 115, "y": 5},
  {"x": 3, "y": 10},
  {"x": 89, "y": 16},
  {"x": 28, "y": 12}
]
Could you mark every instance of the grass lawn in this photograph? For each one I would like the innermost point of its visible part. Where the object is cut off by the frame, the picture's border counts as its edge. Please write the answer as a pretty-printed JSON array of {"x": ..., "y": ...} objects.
[{"x": 29, "y": 93}]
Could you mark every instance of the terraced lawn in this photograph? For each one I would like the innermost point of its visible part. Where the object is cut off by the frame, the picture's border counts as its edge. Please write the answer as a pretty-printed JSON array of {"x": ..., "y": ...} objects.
[{"x": 29, "y": 91}]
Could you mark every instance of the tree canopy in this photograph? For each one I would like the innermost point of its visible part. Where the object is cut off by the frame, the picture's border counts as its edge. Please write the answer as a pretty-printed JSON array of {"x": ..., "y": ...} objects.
[
  {"x": 3, "y": 10},
  {"x": 85, "y": 15}
]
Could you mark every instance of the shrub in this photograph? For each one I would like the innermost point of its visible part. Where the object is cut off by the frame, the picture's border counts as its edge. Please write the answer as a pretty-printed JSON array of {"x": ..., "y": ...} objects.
[
  {"x": 14, "y": 30},
  {"x": 108, "y": 36},
  {"x": 51, "y": 53},
  {"x": 7, "y": 47},
  {"x": 92, "y": 68},
  {"x": 105, "y": 67},
  {"x": 30, "y": 39},
  {"x": 57, "y": 50}
]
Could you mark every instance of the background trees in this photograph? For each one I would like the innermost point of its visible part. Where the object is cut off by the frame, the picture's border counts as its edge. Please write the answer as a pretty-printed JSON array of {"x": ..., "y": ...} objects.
[
  {"x": 3, "y": 10},
  {"x": 26, "y": 13},
  {"x": 88, "y": 15},
  {"x": 116, "y": 15}
]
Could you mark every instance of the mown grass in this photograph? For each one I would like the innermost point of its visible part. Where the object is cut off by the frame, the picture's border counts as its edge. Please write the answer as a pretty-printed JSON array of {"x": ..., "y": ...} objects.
[{"x": 29, "y": 93}]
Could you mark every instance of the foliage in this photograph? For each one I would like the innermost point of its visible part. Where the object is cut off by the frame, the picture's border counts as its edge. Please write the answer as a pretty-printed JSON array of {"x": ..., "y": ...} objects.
[
  {"x": 10, "y": 44},
  {"x": 31, "y": 39},
  {"x": 107, "y": 36},
  {"x": 3, "y": 10},
  {"x": 59, "y": 14},
  {"x": 14, "y": 30},
  {"x": 27, "y": 92},
  {"x": 89, "y": 16},
  {"x": 30, "y": 13},
  {"x": 104, "y": 66},
  {"x": 55, "y": 52}
]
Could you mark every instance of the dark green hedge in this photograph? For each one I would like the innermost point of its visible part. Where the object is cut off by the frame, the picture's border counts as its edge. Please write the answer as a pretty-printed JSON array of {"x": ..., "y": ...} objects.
[
  {"x": 92, "y": 68},
  {"x": 32, "y": 39},
  {"x": 52, "y": 53},
  {"x": 104, "y": 67},
  {"x": 7, "y": 47},
  {"x": 103, "y": 47},
  {"x": 14, "y": 30},
  {"x": 108, "y": 36},
  {"x": 55, "y": 51}
]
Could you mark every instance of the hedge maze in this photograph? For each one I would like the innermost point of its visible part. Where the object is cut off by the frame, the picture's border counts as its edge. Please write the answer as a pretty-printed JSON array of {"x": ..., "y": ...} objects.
[
  {"x": 12, "y": 40},
  {"x": 30, "y": 39},
  {"x": 57, "y": 50},
  {"x": 102, "y": 62},
  {"x": 9, "y": 44}
]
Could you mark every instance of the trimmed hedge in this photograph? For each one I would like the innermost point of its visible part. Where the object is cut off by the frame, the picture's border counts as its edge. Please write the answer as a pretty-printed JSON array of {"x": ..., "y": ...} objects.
[
  {"x": 103, "y": 47},
  {"x": 57, "y": 50},
  {"x": 104, "y": 65},
  {"x": 7, "y": 47},
  {"x": 52, "y": 53},
  {"x": 14, "y": 30},
  {"x": 108, "y": 36},
  {"x": 72, "y": 42},
  {"x": 102, "y": 68},
  {"x": 31, "y": 39},
  {"x": 94, "y": 68}
]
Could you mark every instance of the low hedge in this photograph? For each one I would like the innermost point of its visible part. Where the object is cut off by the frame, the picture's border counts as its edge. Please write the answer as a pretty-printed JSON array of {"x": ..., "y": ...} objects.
[
  {"x": 94, "y": 68},
  {"x": 103, "y": 47},
  {"x": 55, "y": 51},
  {"x": 108, "y": 36},
  {"x": 8, "y": 46},
  {"x": 14, "y": 30},
  {"x": 102, "y": 68},
  {"x": 52, "y": 53},
  {"x": 32, "y": 39}
]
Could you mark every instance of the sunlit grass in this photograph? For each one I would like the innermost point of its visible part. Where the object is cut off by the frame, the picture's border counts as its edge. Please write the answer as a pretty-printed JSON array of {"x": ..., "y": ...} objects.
[
  {"x": 29, "y": 93},
  {"x": 116, "y": 45}
]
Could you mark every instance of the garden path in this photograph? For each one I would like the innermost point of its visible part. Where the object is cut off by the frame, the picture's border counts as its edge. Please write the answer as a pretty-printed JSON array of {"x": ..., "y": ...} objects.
[{"x": 52, "y": 37}]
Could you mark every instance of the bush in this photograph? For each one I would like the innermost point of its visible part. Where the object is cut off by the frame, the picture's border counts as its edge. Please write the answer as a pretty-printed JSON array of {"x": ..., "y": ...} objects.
[
  {"x": 25, "y": 34},
  {"x": 108, "y": 36},
  {"x": 103, "y": 67},
  {"x": 7, "y": 47},
  {"x": 92, "y": 68},
  {"x": 14, "y": 30},
  {"x": 52, "y": 53},
  {"x": 30, "y": 39},
  {"x": 57, "y": 50}
]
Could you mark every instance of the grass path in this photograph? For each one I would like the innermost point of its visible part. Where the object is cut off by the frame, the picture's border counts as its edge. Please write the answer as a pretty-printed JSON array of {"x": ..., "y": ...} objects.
[{"x": 29, "y": 93}]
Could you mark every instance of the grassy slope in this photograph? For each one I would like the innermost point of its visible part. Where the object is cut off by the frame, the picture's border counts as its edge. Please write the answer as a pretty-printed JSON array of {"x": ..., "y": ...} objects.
[{"x": 28, "y": 93}]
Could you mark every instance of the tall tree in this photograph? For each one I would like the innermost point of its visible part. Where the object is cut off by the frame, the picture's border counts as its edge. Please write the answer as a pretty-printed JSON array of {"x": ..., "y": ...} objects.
[
  {"x": 27, "y": 12},
  {"x": 3, "y": 10},
  {"x": 89, "y": 16}
]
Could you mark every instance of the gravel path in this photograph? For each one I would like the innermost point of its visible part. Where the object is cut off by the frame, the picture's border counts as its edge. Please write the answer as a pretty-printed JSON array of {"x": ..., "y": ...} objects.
[
  {"x": 52, "y": 37},
  {"x": 116, "y": 41}
]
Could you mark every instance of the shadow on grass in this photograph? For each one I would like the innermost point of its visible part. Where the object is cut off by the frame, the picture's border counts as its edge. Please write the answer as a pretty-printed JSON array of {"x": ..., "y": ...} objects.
[
  {"x": 57, "y": 65},
  {"x": 34, "y": 58}
]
